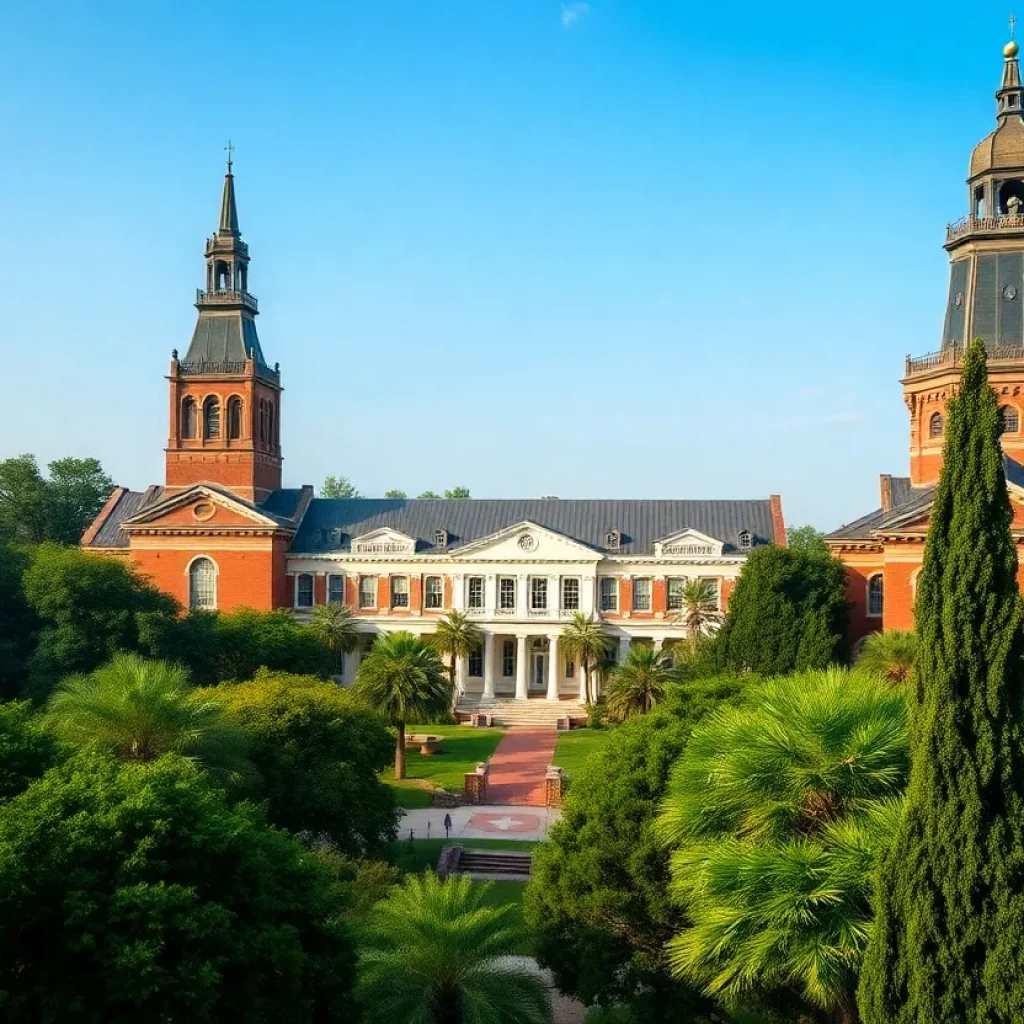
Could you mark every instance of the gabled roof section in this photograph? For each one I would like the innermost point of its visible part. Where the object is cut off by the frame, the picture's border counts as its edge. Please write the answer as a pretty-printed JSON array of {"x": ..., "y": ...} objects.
[
  {"x": 331, "y": 523},
  {"x": 220, "y": 496},
  {"x": 527, "y": 542}
]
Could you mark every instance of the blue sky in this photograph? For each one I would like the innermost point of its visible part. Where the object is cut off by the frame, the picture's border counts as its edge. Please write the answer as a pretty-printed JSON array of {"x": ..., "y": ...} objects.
[{"x": 619, "y": 249}]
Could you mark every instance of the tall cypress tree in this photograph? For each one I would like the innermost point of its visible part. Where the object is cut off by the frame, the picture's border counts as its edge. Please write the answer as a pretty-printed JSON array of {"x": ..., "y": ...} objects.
[{"x": 948, "y": 940}]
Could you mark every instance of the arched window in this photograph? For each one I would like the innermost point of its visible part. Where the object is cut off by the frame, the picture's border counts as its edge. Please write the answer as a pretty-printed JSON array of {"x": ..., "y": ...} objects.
[
  {"x": 211, "y": 417},
  {"x": 202, "y": 584},
  {"x": 270, "y": 422},
  {"x": 263, "y": 420},
  {"x": 875, "y": 594},
  {"x": 234, "y": 418},
  {"x": 936, "y": 425},
  {"x": 1009, "y": 420},
  {"x": 189, "y": 417}
]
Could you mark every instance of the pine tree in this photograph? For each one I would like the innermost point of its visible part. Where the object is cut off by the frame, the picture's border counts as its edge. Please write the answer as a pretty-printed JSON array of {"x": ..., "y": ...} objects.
[{"x": 948, "y": 940}]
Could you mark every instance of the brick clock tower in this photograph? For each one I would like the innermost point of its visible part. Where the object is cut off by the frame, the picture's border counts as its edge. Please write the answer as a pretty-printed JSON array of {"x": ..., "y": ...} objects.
[
  {"x": 986, "y": 289},
  {"x": 225, "y": 401}
]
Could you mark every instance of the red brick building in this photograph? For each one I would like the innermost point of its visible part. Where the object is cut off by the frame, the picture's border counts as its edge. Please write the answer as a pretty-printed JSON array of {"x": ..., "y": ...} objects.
[{"x": 883, "y": 550}]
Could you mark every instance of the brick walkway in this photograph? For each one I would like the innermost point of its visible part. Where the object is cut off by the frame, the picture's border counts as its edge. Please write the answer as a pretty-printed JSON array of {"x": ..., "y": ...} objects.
[{"x": 519, "y": 765}]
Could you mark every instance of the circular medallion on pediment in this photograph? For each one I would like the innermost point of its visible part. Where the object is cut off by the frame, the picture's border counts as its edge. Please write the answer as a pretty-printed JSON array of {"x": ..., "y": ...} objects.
[
  {"x": 527, "y": 542},
  {"x": 204, "y": 510}
]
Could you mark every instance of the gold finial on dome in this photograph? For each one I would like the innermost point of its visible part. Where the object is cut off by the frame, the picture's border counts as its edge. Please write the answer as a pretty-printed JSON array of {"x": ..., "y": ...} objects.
[{"x": 1010, "y": 50}]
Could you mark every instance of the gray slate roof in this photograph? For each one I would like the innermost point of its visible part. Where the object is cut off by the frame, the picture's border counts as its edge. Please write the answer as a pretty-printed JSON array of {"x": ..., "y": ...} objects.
[
  {"x": 330, "y": 523},
  {"x": 224, "y": 337}
]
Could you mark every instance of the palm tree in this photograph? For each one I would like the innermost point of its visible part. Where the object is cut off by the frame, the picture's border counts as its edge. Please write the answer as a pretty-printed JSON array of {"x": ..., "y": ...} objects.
[
  {"x": 141, "y": 709},
  {"x": 699, "y": 608},
  {"x": 584, "y": 641},
  {"x": 456, "y": 636},
  {"x": 638, "y": 684},
  {"x": 778, "y": 812},
  {"x": 403, "y": 678},
  {"x": 337, "y": 628},
  {"x": 890, "y": 655},
  {"x": 436, "y": 953}
]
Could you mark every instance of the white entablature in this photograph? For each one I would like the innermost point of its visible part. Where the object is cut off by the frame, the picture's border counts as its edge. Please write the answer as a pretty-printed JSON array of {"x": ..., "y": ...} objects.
[
  {"x": 688, "y": 544},
  {"x": 526, "y": 542},
  {"x": 384, "y": 541}
]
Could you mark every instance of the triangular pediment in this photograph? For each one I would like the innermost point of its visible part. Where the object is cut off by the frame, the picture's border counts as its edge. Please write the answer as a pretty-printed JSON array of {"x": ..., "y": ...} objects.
[
  {"x": 200, "y": 508},
  {"x": 384, "y": 541},
  {"x": 526, "y": 542},
  {"x": 688, "y": 543}
]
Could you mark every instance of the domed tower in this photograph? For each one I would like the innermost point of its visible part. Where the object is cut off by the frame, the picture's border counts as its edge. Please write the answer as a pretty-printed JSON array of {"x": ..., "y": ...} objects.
[
  {"x": 225, "y": 400},
  {"x": 986, "y": 288}
]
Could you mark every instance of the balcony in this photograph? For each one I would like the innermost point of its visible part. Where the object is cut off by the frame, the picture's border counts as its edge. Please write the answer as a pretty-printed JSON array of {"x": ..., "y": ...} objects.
[
  {"x": 951, "y": 357},
  {"x": 983, "y": 226},
  {"x": 226, "y": 297}
]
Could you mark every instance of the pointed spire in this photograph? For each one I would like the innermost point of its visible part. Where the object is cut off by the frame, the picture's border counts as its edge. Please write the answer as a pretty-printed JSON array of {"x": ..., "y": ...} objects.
[{"x": 228, "y": 209}]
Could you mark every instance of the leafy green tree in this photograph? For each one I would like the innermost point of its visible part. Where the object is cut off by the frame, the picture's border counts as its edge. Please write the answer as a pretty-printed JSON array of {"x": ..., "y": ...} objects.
[
  {"x": 18, "y": 623},
  {"x": 339, "y": 487},
  {"x": 319, "y": 754},
  {"x": 699, "y": 609},
  {"x": 456, "y": 636},
  {"x": 403, "y": 678},
  {"x": 585, "y": 641},
  {"x": 90, "y": 608},
  {"x": 436, "y": 953},
  {"x": 138, "y": 893},
  {"x": 788, "y": 613},
  {"x": 337, "y": 628},
  {"x": 457, "y": 492},
  {"x": 890, "y": 654},
  {"x": 34, "y": 509},
  {"x": 948, "y": 943},
  {"x": 639, "y": 683},
  {"x": 428, "y": 494},
  {"x": 27, "y": 749},
  {"x": 395, "y": 493},
  {"x": 247, "y": 639},
  {"x": 597, "y": 902},
  {"x": 139, "y": 710},
  {"x": 806, "y": 539},
  {"x": 778, "y": 812}
]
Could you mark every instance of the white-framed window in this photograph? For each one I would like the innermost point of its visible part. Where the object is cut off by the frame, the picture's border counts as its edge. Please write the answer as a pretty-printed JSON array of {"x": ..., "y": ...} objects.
[
  {"x": 304, "y": 590},
  {"x": 936, "y": 425},
  {"x": 399, "y": 591},
  {"x": 507, "y": 593},
  {"x": 538, "y": 593},
  {"x": 434, "y": 592},
  {"x": 642, "y": 594},
  {"x": 440, "y": 538},
  {"x": 367, "y": 591},
  {"x": 202, "y": 583},
  {"x": 745, "y": 540},
  {"x": 613, "y": 540},
  {"x": 675, "y": 592},
  {"x": 571, "y": 593},
  {"x": 1009, "y": 420},
  {"x": 475, "y": 592},
  {"x": 609, "y": 593},
  {"x": 712, "y": 588},
  {"x": 876, "y": 594},
  {"x": 508, "y": 658},
  {"x": 476, "y": 662},
  {"x": 335, "y": 589},
  {"x": 570, "y": 668}
]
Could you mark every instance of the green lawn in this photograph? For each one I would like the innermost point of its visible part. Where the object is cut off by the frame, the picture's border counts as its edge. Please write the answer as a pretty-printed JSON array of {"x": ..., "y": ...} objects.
[
  {"x": 464, "y": 747},
  {"x": 424, "y": 852},
  {"x": 576, "y": 746}
]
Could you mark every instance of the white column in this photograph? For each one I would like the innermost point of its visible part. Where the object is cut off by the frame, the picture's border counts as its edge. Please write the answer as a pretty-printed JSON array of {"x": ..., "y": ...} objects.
[
  {"x": 521, "y": 667},
  {"x": 659, "y": 642},
  {"x": 354, "y": 659},
  {"x": 489, "y": 672},
  {"x": 554, "y": 668},
  {"x": 583, "y": 683},
  {"x": 460, "y": 675},
  {"x": 624, "y": 642}
]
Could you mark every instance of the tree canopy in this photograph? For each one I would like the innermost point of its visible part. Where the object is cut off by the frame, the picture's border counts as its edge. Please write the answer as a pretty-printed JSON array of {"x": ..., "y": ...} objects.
[
  {"x": 948, "y": 942},
  {"x": 137, "y": 892},
  {"x": 318, "y": 753},
  {"x": 339, "y": 487},
  {"x": 18, "y": 622},
  {"x": 788, "y": 613}
]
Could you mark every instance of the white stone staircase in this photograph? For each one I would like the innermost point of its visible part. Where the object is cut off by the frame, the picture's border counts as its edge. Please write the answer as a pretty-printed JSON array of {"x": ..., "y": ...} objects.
[{"x": 534, "y": 713}]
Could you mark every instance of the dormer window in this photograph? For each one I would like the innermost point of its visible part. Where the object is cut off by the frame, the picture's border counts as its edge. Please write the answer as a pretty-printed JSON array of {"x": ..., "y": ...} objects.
[
  {"x": 745, "y": 540},
  {"x": 440, "y": 538},
  {"x": 613, "y": 540}
]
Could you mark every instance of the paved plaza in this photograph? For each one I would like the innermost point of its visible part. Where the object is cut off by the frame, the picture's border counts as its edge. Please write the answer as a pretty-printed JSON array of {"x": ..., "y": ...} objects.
[{"x": 493, "y": 822}]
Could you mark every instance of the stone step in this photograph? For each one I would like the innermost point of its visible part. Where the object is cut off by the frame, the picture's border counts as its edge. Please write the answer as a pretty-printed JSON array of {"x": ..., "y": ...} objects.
[
  {"x": 538, "y": 713},
  {"x": 498, "y": 863}
]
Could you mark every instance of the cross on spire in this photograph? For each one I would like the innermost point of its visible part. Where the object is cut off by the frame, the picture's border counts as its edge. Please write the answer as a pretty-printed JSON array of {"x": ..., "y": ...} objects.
[
  {"x": 1013, "y": 23},
  {"x": 231, "y": 149}
]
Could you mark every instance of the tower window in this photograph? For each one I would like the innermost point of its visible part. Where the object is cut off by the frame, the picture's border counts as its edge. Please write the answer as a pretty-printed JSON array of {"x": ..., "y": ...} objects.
[
  {"x": 202, "y": 584},
  {"x": 189, "y": 418},
  {"x": 1009, "y": 420},
  {"x": 263, "y": 420},
  {"x": 211, "y": 418},
  {"x": 270, "y": 422},
  {"x": 876, "y": 593},
  {"x": 1011, "y": 196},
  {"x": 234, "y": 418},
  {"x": 221, "y": 276},
  {"x": 936, "y": 425},
  {"x": 979, "y": 201}
]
